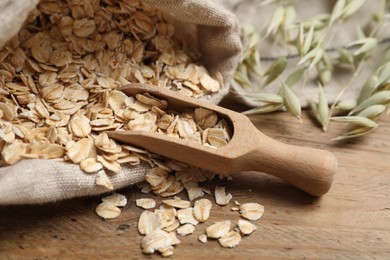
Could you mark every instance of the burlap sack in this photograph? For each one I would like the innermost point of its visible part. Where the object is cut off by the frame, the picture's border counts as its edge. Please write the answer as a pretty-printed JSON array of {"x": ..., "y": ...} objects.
[
  {"x": 39, "y": 181},
  {"x": 254, "y": 13}
]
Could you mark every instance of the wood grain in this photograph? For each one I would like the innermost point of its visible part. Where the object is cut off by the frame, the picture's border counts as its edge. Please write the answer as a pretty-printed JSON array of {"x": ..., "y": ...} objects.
[{"x": 352, "y": 221}]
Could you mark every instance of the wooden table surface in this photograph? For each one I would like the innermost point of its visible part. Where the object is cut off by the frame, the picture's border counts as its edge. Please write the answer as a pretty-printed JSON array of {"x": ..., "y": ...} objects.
[{"x": 352, "y": 221}]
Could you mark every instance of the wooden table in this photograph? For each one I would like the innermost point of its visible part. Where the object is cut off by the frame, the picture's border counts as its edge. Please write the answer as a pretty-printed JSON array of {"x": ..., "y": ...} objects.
[{"x": 352, "y": 221}]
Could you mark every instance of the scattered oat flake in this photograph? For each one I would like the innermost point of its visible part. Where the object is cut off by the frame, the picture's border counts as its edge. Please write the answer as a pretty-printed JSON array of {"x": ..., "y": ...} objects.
[
  {"x": 245, "y": 227},
  {"x": 166, "y": 215},
  {"x": 107, "y": 210},
  {"x": 251, "y": 211},
  {"x": 156, "y": 176},
  {"x": 177, "y": 203},
  {"x": 155, "y": 241},
  {"x": 148, "y": 222},
  {"x": 230, "y": 239},
  {"x": 220, "y": 196},
  {"x": 145, "y": 203},
  {"x": 166, "y": 252},
  {"x": 185, "y": 230},
  {"x": 195, "y": 192},
  {"x": 203, "y": 238},
  {"x": 175, "y": 240},
  {"x": 146, "y": 188},
  {"x": 116, "y": 199},
  {"x": 218, "y": 229},
  {"x": 202, "y": 209},
  {"x": 173, "y": 188},
  {"x": 173, "y": 226},
  {"x": 186, "y": 216}
]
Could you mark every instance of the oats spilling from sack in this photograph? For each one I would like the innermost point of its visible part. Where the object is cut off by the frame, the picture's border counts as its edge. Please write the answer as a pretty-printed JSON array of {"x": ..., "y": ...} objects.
[
  {"x": 159, "y": 225},
  {"x": 58, "y": 81}
]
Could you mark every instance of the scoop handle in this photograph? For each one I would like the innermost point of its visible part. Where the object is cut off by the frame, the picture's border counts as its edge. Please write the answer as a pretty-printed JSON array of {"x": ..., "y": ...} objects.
[{"x": 311, "y": 170}]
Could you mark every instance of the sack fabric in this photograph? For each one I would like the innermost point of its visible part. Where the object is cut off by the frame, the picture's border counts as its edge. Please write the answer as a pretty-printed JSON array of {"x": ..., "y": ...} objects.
[{"x": 40, "y": 181}]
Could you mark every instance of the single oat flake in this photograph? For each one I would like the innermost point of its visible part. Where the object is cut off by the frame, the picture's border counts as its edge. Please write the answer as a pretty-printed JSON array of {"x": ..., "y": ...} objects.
[
  {"x": 185, "y": 230},
  {"x": 145, "y": 203},
  {"x": 186, "y": 216},
  {"x": 245, "y": 227},
  {"x": 220, "y": 196},
  {"x": 202, "y": 209},
  {"x": 173, "y": 226},
  {"x": 107, "y": 210},
  {"x": 230, "y": 239},
  {"x": 148, "y": 222},
  {"x": 157, "y": 240},
  {"x": 251, "y": 211},
  {"x": 116, "y": 199},
  {"x": 166, "y": 216},
  {"x": 177, "y": 203},
  {"x": 218, "y": 229},
  {"x": 202, "y": 238}
]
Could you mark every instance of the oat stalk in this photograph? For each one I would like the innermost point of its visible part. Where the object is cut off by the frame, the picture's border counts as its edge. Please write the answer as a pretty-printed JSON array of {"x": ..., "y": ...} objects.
[{"x": 311, "y": 39}]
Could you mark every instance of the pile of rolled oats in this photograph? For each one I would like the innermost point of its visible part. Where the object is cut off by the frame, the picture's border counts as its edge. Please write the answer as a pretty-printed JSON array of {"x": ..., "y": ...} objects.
[
  {"x": 176, "y": 216},
  {"x": 58, "y": 81}
]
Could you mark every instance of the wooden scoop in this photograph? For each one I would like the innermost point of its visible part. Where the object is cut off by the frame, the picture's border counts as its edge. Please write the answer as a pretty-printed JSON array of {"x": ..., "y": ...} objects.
[{"x": 311, "y": 170}]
